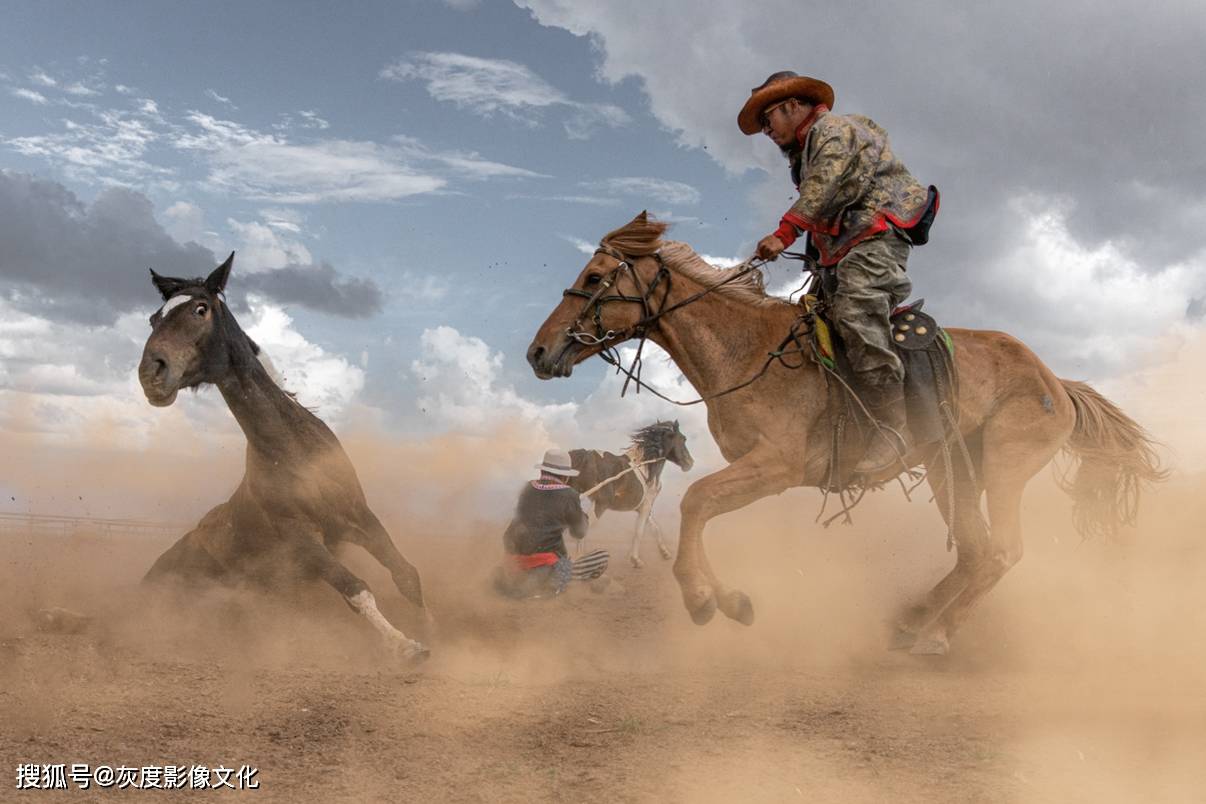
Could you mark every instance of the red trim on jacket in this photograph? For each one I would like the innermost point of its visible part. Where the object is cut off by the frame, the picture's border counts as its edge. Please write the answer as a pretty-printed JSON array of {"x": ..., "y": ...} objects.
[
  {"x": 800, "y": 222},
  {"x": 880, "y": 224},
  {"x": 803, "y": 129},
  {"x": 786, "y": 233}
]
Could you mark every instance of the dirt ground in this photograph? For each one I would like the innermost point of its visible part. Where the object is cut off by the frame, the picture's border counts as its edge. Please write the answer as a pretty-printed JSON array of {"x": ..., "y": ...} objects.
[{"x": 1079, "y": 679}]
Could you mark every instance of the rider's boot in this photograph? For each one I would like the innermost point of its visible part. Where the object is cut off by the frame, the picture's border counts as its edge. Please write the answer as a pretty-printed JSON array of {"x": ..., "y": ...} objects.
[{"x": 886, "y": 444}]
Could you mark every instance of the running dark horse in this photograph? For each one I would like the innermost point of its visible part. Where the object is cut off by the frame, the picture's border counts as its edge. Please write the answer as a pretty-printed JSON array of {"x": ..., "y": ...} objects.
[
  {"x": 637, "y": 474},
  {"x": 299, "y": 496}
]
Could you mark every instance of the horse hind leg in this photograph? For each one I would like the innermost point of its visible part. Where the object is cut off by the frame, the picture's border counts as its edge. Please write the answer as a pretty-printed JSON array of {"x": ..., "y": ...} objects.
[
  {"x": 660, "y": 537},
  {"x": 1019, "y": 440},
  {"x": 317, "y": 561},
  {"x": 971, "y": 535},
  {"x": 375, "y": 539}
]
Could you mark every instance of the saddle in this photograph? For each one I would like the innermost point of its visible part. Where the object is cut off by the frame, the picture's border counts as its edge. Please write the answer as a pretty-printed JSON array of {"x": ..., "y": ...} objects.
[{"x": 930, "y": 381}]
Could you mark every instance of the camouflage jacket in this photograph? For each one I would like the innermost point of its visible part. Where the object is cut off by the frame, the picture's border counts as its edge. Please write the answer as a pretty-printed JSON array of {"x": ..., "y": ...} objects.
[{"x": 851, "y": 185}]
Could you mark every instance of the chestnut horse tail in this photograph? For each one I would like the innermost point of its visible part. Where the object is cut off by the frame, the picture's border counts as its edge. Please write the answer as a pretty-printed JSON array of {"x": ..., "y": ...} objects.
[{"x": 1111, "y": 458}]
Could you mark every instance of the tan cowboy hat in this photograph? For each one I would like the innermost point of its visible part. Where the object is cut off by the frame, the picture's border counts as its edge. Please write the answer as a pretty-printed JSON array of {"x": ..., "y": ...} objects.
[
  {"x": 557, "y": 462},
  {"x": 781, "y": 86}
]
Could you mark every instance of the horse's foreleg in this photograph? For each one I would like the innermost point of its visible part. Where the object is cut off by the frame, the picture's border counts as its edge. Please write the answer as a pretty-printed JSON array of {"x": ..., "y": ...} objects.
[
  {"x": 634, "y": 555},
  {"x": 757, "y": 474}
]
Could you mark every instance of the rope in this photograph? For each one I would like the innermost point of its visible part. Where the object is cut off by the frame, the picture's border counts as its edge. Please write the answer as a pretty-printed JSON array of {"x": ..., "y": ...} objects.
[{"x": 614, "y": 478}]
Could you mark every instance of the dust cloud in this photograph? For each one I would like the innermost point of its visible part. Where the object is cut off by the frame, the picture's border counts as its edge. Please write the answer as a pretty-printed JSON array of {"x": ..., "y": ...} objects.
[{"x": 1078, "y": 678}]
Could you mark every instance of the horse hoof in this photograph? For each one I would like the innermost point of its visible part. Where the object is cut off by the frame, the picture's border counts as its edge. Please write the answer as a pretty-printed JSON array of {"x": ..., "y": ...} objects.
[
  {"x": 901, "y": 639},
  {"x": 930, "y": 646},
  {"x": 665, "y": 551},
  {"x": 416, "y": 652},
  {"x": 636, "y": 562},
  {"x": 739, "y": 607},
  {"x": 703, "y": 613}
]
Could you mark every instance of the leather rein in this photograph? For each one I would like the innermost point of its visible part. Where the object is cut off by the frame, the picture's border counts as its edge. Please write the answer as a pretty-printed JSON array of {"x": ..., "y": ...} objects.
[{"x": 608, "y": 339}]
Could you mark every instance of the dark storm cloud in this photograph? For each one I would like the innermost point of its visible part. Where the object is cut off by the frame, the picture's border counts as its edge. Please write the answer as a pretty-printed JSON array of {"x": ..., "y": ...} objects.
[
  {"x": 66, "y": 260},
  {"x": 320, "y": 288},
  {"x": 1096, "y": 102}
]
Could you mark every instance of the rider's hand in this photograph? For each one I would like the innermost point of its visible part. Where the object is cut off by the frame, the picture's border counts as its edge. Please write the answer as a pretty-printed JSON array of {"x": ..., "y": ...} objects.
[{"x": 770, "y": 247}]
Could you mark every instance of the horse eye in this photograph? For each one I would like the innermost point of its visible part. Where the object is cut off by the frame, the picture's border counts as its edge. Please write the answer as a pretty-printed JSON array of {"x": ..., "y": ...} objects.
[
  {"x": 593, "y": 279},
  {"x": 201, "y": 309}
]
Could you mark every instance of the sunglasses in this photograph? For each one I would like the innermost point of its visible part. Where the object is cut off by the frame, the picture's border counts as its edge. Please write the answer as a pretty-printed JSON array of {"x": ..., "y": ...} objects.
[{"x": 764, "y": 118}]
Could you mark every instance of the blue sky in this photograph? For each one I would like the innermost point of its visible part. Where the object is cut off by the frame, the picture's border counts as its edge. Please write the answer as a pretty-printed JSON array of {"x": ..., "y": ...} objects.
[{"x": 409, "y": 185}]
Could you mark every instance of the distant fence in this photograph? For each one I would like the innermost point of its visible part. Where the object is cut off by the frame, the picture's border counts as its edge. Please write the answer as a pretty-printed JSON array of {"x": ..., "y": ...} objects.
[{"x": 39, "y": 524}]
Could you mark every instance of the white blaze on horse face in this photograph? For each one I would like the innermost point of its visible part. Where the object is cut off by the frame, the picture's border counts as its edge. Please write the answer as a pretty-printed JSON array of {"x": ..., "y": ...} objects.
[
  {"x": 366, "y": 604},
  {"x": 173, "y": 303}
]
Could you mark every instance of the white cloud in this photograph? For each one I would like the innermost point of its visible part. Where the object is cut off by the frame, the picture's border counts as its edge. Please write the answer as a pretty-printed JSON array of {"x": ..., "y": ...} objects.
[
  {"x": 77, "y": 384},
  {"x": 263, "y": 248},
  {"x": 585, "y": 246},
  {"x": 112, "y": 150},
  {"x": 287, "y": 220},
  {"x": 209, "y": 93},
  {"x": 312, "y": 120},
  {"x": 31, "y": 96},
  {"x": 80, "y": 89},
  {"x": 427, "y": 288},
  {"x": 591, "y": 200},
  {"x": 1091, "y": 309},
  {"x": 461, "y": 387},
  {"x": 465, "y": 163},
  {"x": 671, "y": 192},
  {"x": 41, "y": 78},
  {"x": 266, "y": 167},
  {"x": 185, "y": 222},
  {"x": 324, "y": 382},
  {"x": 499, "y": 86},
  {"x": 462, "y": 390}
]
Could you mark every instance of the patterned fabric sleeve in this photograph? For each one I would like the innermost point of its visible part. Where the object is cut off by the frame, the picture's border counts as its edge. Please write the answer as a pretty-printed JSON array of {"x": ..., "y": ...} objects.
[{"x": 830, "y": 180}]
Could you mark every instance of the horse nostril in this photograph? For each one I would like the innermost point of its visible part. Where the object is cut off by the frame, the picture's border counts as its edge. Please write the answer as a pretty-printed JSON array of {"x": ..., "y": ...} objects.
[
  {"x": 535, "y": 353},
  {"x": 160, "y": 367}
]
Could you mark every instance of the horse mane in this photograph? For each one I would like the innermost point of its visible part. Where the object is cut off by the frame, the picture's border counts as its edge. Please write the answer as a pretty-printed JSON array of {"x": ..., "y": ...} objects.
[
  {"x": 649, "y": 437},
  {"x": 642, "y": 237}
]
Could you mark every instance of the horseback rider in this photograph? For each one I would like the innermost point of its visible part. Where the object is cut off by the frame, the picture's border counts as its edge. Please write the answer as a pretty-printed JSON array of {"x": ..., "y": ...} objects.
[{"x": 863, "y": 212}]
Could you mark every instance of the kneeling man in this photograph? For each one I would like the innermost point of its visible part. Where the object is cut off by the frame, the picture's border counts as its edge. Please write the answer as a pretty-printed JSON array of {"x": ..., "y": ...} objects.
[{"x": 536, "y": 563}]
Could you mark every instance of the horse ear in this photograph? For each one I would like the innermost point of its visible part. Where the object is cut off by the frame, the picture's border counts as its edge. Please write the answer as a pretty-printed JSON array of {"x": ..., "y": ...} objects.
[
  {"x": 166, "y": 285},
  {"x": 643, "y": 217},
  {"x": 676, "y": 424},
  {"x": 215, "y": 283}
]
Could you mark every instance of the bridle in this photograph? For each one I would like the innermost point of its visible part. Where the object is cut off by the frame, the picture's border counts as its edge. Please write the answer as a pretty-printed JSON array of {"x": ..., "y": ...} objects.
[
  {"x": 595, "y": 301},
  {"x": 653, "y": 307}
]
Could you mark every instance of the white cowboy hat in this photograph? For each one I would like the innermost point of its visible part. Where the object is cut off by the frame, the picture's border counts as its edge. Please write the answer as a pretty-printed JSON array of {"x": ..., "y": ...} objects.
[{"x": 557, "y": 462}]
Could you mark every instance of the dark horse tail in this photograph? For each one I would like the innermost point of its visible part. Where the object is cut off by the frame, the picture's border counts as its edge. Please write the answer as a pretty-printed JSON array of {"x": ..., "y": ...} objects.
[{"x": 1111, "y": 458}]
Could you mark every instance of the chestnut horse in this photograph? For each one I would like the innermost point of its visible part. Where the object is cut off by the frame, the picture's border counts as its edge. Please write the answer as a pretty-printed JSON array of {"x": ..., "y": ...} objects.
[{"x": 773, "y": 424}]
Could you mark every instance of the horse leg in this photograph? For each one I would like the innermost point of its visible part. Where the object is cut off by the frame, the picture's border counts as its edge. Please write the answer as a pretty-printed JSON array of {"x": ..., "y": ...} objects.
[
  {"x": 642, "y": 520},
  {"x": 757, "y": 474},
  {"x": 318, "y": 562},
  {"x": 374, "y": 538},
  {"x": 971, "y": 536},
  {"x": 661, "y": 538},
  {"x": 1019, "y": 440}
]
